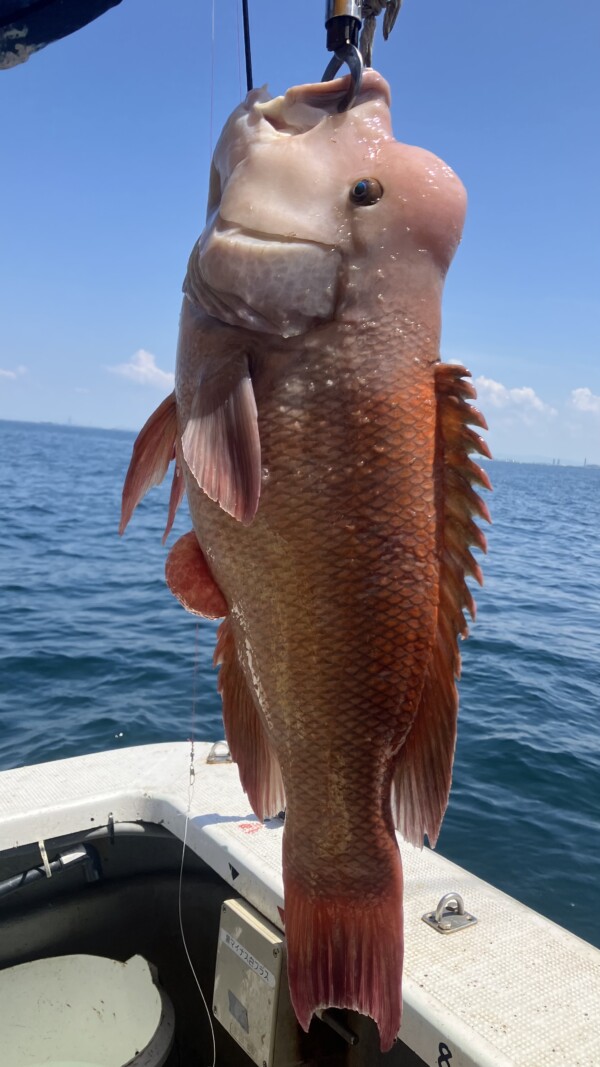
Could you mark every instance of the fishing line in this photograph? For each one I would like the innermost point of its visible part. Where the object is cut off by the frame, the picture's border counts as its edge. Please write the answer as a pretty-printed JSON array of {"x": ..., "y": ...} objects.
[
  {"x": 247, "y": 49},
  {"x": 192, "y": 773},
  {"x": 239, "y": 50},
  {"x": 191, "y": 782},
  {"x": 211, "y": 77}
]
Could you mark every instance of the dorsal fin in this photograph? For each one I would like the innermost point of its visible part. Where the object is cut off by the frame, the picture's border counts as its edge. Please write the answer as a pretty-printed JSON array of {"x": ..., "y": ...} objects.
[
  {"x": 153, "y": 450},
  {"x": 249, "y": 745},
  {"x": 221, "y": 443},
  {"x": 423, "y": 772}
]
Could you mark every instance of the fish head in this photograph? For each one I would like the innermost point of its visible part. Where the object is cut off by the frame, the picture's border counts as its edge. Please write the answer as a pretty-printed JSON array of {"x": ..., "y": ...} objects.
[{"x": 308, "y": 207}]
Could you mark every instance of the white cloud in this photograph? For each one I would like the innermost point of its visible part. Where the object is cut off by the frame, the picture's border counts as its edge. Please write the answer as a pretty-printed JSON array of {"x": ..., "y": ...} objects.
[
  {"x": 522, "y": 399},
  {"x": 13, "y": 374},
  {"x": 143, "y": 370},
  {"x": 584, "y": 400}
]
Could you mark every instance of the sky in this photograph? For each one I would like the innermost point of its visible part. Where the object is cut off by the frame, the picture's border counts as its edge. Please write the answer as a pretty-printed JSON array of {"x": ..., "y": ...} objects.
[{"x": 104, "y": 162}]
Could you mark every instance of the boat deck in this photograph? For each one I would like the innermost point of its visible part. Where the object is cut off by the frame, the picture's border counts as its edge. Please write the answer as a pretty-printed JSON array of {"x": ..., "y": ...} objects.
[{"x": 514, "y": 989}]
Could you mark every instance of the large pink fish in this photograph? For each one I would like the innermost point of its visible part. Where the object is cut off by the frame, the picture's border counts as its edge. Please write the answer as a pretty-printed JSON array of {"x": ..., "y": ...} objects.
[{"x": 324, "y": 450}]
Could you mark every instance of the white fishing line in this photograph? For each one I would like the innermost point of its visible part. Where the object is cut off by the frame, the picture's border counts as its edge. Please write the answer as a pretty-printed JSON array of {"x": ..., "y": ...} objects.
[
  {"x": 192, "y": 773},
  {"x": 212, "y": 76},
  {"x": 191, "y": 781}
]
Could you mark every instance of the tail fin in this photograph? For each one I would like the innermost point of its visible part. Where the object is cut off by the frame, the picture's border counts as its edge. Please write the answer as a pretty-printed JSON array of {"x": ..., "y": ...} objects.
[{"x": 346, "y": 952}]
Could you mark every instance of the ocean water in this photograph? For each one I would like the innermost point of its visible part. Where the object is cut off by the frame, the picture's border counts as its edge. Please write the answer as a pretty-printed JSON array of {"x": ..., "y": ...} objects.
[{"x": 95, "y": 653}]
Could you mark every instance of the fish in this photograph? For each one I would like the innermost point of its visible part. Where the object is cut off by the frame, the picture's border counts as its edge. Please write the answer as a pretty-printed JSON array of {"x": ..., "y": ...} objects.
[{"x": 326, "y": 453}]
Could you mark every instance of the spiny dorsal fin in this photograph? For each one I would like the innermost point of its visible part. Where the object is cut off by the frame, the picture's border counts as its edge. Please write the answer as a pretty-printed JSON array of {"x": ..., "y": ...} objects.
[
  {"x": 424, "y": 770},
  {"x": 249, "y": 745},
  {"x": 153, "y": 450},
  {"x": 221, "y": 443}
]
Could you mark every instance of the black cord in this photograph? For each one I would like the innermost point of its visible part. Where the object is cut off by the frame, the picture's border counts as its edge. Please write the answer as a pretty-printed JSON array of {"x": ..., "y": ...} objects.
[{"x": 247, "y": 45}]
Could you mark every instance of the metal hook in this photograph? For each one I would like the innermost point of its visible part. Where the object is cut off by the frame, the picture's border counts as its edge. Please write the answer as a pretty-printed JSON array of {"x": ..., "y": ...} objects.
[
  {"x": 343, "y": 19},
  {"x": 350, "y": 55}
]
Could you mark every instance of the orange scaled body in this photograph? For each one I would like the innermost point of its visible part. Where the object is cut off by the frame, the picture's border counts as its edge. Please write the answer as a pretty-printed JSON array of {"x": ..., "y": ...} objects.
[{"x": 325, "y": 455}]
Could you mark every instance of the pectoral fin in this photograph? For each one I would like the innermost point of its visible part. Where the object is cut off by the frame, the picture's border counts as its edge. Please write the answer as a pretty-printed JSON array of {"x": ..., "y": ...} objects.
[
  {"x": 153, "y": 450},
  {"x": 221, "y": 443},
  {"x": 423, "y": 772}
]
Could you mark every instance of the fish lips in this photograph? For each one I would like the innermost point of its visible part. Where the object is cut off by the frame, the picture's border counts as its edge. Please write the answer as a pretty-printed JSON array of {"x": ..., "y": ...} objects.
[{"x": 265, "y": 282}]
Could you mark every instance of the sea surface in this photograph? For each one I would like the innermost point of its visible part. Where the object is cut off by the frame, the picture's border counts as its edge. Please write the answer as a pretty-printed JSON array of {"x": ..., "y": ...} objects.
[{"x": 96, "y": 654}]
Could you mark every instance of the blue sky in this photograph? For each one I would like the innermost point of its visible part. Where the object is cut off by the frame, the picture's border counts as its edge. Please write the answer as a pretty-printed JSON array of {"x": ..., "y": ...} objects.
[{"x": 103, "y": 177}]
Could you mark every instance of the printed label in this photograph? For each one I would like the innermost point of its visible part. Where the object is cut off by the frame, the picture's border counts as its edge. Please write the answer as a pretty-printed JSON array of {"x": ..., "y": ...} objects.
[{"x": 254, "y": 964}]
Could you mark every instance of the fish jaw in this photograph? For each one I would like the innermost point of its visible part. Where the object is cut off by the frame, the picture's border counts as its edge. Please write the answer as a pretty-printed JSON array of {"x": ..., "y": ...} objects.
[{"x": 264, "y": 282}]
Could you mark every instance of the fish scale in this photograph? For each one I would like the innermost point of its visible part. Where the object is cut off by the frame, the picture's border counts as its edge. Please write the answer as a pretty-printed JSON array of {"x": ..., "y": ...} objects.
[
  {"x": 325, "y": 451},
  {"x": 295, "y": 515}
]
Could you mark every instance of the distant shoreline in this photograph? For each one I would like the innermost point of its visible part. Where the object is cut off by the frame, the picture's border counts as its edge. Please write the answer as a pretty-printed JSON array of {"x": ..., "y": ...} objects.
[{"x": 69, "y": 426}]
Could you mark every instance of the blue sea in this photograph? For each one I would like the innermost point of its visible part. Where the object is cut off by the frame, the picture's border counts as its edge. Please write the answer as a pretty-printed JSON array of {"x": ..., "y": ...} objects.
[{"x": 95, "y": 653}]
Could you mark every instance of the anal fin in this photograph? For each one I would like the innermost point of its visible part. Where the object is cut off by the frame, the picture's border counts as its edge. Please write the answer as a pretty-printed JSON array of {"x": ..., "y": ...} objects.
[
  {"x": 423, "y": 772},
  {"x": 249, "y": 745}
]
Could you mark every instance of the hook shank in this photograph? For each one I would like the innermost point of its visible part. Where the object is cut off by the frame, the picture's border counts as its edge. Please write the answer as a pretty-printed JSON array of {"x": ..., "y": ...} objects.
[{"x": 343, "y": 20}]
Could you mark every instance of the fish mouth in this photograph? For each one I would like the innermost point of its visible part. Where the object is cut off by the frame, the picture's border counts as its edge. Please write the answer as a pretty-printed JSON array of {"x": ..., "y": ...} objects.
[
  {"x": 243, "y": 236},
  {"x": 303, "y": 106},
  {"x": 332, "y": 92}
]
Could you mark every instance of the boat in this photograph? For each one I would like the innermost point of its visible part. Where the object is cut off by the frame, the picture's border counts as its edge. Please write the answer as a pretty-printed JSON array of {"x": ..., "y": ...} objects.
[{"x": 153, "y": 854}]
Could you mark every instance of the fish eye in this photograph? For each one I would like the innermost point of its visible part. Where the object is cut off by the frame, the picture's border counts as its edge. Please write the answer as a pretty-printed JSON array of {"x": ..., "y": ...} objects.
[{"x": 366, "y": 191}]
